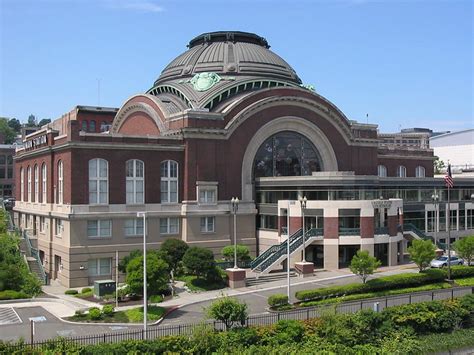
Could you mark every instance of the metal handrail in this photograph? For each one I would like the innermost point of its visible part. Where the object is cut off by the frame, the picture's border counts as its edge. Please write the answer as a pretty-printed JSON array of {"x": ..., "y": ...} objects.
[
  {"x": 35, "y": 254},
  {"x": 381, "y": 230},
  {"x": 348, "y": 231}
]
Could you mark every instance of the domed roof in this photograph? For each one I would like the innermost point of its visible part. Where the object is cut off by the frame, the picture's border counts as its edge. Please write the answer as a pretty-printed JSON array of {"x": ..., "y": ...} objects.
[{"x": 229, "y": 53}]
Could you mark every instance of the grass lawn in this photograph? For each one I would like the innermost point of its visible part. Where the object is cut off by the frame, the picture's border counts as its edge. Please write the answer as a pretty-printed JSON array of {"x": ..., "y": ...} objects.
[
  {"x": 134, "y": 315},
  {"x": 468, "y": 281},
  {"x": 198, "y": 285},
  {"x": 435, "y": 286},
  {"x": 436, "y": 343}
]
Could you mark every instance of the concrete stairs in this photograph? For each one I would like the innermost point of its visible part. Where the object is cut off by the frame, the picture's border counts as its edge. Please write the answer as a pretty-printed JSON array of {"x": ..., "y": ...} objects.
[{"x": 276, "y": 276}]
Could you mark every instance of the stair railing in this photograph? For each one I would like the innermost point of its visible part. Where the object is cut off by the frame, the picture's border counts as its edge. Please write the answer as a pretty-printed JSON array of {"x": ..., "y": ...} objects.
[{"x": 34, "y": 253}]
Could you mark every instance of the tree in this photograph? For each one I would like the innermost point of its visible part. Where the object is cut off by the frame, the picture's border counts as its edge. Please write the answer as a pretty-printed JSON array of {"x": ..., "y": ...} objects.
[
  {"x": 228, "y": 310},
  {"x": 43, "y": 122},
  {"x": 31, "y": 121},
  {"x": 199, "y": 261},
  {"x": 363, "y": 265},
  {"x": 422, "y": 252},
  {"x": 156, "y": 273},
  {"x": 243, "y": 253},
  {"x": 438, "y": 165},
  {"x": 122, "y": 266},
  {"x": 465, "y": 248},
  {"x": 172, "y": 251},
  {"x": 6, "y": 131},
  {"x": 15, "y": 125}
]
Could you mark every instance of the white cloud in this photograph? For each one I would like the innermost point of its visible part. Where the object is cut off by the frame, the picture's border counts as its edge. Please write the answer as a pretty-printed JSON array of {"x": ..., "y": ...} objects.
[{"x": 136, "y": 5}]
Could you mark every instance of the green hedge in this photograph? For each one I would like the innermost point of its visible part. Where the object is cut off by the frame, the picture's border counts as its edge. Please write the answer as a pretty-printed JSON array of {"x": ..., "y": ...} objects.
[
  {"x": 71, "y": 292},
  {"x": 379, "y": 284},
  {"x": 460, "y": 271},
  {"x": 12, "y": 295},
  {"x": 277, "y": 300}
]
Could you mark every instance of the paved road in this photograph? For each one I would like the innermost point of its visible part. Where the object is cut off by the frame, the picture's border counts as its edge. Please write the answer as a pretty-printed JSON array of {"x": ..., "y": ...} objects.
[
  {"x": 50, "y": 326},
  {"x": 257, "y": 301}
]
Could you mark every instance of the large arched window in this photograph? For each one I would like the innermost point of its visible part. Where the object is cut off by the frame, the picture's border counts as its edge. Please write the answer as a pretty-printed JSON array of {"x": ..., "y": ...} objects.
[
  {"x": 135, "y": 172},
  {"x": 60, "y": 182},
  {"x": 420, "y": 172},
  {"x": 169, "y": 181},
  {"x": 28, "y": 188},
  {"x": 22, "y": 184},
  {"x": 36, "y": 178},
  {"x": 401, "y": 171},
  {"x": 98, "y": 181},
  {"x": 92, "y": 126},
  {"x": 286, "y": 154},
  {"x": 382, "y": 171},
  {"x": 43, "y": 183},
  {"x": 84, "y": 126}
]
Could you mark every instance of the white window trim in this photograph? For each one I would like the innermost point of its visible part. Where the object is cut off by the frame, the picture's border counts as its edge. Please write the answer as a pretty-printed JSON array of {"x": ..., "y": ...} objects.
[
  {"x": 36, "y": 179},
  {"x": 44, "y": 183},
  {"x": 205, "y": 230},
  {"x": 58, "y": 227},
  {"x": 168, "y": 226},
  {"x": 134, "y": 179},
  {"x": 400, "y": 169},
  {"x": 135, "y": 227},
  {"x": 22, "y": 184},
  {"x": 60, "y": 182},
  {"x": 206, "y": 187},
  {"x": 381, "y": 168},
  {"x": 29, "y": 184},
  {"x": 42, "y": 224},
  {"x": 168, "y": 181},
  {"x": 99, "y": 222},
  {"x": 97, "y": 262},
  {"x": 98, "y": 179},
  {"x": 420, "y": 171}
]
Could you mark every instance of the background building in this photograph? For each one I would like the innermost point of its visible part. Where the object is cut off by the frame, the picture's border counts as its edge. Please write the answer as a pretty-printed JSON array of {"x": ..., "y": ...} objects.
[{"x": 226, "y": 118}]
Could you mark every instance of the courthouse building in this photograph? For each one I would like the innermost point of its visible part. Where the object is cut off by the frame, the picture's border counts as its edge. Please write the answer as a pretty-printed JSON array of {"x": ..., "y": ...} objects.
[{"x": 226, "y": 118}]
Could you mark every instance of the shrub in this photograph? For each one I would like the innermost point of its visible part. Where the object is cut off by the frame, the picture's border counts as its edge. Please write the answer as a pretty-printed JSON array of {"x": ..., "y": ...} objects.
[
  {"x": 461, "y": 271},
  {"x": 199, "y": 261},
  {"x": 289, "y": 331},
  {"x": 155, "y": 299},
  {"x": 108, "y": 310},
  {"x": 71, "y": 292},
  {"x": 86, "y": 290},
  {"x": 95, "y": 313},
  {"x": 12, "y": 295},
  {"x": 381, "y": 283},
  {"x": 228, "y": 310},
  {"x": 363, "y": 265},
  {"x": 277, "y": 300},
  {"x": 243, "y": 253},
  {"x": 422, "y": 252}
]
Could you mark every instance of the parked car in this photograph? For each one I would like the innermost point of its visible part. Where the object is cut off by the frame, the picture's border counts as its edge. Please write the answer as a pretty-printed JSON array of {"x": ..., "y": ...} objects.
[{"x": 442, "y": 261}]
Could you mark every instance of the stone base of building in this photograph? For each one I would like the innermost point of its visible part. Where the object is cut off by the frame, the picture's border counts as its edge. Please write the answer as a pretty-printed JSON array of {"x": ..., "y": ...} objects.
[
  {"x": 236, "y": 277},
  {"x": 305, "y": 268}
]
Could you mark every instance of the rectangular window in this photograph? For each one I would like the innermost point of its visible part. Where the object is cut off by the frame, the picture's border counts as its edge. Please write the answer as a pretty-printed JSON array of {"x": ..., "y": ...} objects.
[
  {"x": 100, "y": 228},
  {"x": 133, "y": 227},
  {"x": 208, "y": 224},
  {"x": 169, "y": 225},
  {"x": 207, "y": 196},
  {"x": 100, "y": 267},
  {"x": 58, "y": 227},
  {"x": 42, "y": 224}
]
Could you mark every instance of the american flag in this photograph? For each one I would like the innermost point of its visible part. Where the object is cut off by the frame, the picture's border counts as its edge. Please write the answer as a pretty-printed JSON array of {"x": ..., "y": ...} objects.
[{"x": 448, "y": 179}]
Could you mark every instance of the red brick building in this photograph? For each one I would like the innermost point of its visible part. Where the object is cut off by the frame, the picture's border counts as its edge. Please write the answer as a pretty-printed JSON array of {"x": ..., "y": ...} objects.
[{"x": 227, "y": 118}]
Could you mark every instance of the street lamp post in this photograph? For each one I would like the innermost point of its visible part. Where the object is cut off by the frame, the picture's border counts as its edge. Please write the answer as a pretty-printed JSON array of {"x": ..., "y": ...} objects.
[
  {"x": 145, "y": 303},
  {"x": 303, "y": 208},
  {"x": 435, "y": 199},
  {"x": 235, "y": 206}
]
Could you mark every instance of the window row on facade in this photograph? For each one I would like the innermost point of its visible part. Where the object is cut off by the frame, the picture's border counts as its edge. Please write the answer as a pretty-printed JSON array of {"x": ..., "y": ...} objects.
[{"x": 401, "y": 171}]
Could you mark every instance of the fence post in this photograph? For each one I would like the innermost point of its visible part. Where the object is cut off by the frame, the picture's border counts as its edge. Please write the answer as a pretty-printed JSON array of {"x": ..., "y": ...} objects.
[
  {"x": 278, "y": 316},
  {"x": 409, "y": 298},
  {"x": 452, "y": 294},
  {"x": 143, "y": 334},
  {"x": 307, "y": 314},
  {"x": 361, "y": 303},
  {"x": 432, "y": 295},
  {"x": 104, "y": 337}
]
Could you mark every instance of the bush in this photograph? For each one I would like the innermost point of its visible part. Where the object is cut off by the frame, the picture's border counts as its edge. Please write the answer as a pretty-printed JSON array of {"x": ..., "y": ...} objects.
[
  {"x": 228, "y": 310},
  {"x": 12, "y": 295},
  {"x": 108, "y": 310},
  {"x": 289, "y": 331},
  {"x": 243, "y": 253},
  {"x": 86, "y": 290},
  {"x": 71, "y": 292},
  {"x": 95, "y": 313},
  {"x": 277, "y": 300},
  {"x": 461, "y": 271},
  {"x": 382, "y": 283},
  {"x": 199, "y": 261},
  {"x": 155, "y": 299}
]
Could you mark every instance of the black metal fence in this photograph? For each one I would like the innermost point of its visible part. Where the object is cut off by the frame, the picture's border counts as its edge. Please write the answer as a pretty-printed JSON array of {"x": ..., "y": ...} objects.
[{"x": 154, "y": 332}]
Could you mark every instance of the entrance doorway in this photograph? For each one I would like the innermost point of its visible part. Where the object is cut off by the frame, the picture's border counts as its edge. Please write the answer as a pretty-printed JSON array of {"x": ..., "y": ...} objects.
[
  {"x": 57, "y": 266},
  {"x": 315, "y": 255},
  {"x": 346, "y": 253}
]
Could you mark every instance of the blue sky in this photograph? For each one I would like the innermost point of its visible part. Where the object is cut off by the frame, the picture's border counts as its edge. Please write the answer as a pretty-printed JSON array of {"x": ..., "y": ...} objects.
[{"x": 404, "y": 63}]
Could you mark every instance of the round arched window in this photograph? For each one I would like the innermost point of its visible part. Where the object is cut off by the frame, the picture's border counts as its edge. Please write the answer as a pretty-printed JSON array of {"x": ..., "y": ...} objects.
[{"x": 286, "y": 154}]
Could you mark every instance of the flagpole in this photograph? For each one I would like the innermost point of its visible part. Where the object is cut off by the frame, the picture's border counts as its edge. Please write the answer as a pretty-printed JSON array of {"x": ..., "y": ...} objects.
[{"x": 449, "y": 234}]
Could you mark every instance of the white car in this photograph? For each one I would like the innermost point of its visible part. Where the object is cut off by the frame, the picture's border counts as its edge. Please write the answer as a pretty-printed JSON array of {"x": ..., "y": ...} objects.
[{"x": 442, "y": 261}]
